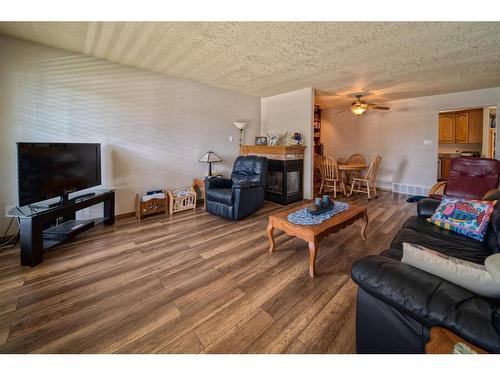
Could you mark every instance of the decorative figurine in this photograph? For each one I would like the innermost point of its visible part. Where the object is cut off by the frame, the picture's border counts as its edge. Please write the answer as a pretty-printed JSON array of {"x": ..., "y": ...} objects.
[
  {"x": 296, "y": 139},
  {"x": 275, "y": 139}
]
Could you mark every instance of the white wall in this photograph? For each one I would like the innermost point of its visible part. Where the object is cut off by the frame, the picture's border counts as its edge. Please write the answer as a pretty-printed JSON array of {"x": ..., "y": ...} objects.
[
  {"x": 292, "y": 112},
  {"x": 153, "y": 129},
  {"x": 398, "y": 134}
]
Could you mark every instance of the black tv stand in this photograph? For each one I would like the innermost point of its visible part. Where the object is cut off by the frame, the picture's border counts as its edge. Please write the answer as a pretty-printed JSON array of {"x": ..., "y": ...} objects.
[
  {"x": 64, "y": 200},
  {"x": 35, "y": 239}
]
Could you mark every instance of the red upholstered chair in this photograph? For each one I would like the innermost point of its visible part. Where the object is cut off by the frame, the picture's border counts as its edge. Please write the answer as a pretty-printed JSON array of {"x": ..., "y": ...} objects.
[{"x": 471, "y": 178}]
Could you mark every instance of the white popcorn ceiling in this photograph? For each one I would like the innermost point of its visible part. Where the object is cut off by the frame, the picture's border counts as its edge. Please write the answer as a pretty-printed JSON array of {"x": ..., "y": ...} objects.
[{"x": 384, "y": 60}]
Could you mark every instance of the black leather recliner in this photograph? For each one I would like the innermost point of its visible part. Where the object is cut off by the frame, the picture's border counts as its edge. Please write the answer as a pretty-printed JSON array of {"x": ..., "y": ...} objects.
[
  {"x": 241, "y": 195},
  {"x": 398, "y": 304}
]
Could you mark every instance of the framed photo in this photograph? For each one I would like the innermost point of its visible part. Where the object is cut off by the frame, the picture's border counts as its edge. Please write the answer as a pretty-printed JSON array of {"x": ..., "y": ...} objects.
[{"x": 260, "y": 141}]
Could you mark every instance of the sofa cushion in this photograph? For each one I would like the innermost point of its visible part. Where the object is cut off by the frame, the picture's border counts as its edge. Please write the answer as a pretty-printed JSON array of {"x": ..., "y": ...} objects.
[
  {"x": 220, "y": 195},
  {"x": 420, "y": 224},
  {"x": 249, "y": 168},
  {"x": 472, "y": 177},
  {"x": 458, "y": 247},
  {"x": 241, "y": 178}
]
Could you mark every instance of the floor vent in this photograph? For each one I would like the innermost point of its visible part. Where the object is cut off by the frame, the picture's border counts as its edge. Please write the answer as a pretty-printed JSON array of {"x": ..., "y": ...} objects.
[{"x": 410, "y": 189}]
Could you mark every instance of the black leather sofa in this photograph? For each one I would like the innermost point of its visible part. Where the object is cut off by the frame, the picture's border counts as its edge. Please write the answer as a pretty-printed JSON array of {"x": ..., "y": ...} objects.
[
  {"x": 241, "y": 195},
  {"x": 398, "y": 304}
]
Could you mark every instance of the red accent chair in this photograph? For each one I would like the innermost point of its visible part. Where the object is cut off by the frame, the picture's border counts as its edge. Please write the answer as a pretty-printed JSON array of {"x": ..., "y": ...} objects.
[{"x": 471, "y": 178}]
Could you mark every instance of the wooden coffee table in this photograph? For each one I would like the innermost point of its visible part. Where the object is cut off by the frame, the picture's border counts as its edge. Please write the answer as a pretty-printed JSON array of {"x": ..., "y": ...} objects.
[{"x": 314, "y": 233}]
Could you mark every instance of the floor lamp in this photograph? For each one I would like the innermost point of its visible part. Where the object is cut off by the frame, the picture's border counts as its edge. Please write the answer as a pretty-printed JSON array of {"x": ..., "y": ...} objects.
[{"x": 241, "y": 126}]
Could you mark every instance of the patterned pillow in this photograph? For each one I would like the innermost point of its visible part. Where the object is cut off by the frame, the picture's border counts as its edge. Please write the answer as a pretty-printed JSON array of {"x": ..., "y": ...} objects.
[{"x": 465, "y": 216}]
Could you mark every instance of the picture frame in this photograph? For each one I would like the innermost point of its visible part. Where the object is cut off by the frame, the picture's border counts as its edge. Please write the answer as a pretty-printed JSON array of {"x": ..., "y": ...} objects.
[{"x": 260, "y": 141}]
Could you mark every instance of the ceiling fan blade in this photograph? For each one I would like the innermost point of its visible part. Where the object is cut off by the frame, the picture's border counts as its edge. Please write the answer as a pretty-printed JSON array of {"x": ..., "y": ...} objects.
[
  {"x": 344, "y": 110},
  {"x": 382, "y": 108}
]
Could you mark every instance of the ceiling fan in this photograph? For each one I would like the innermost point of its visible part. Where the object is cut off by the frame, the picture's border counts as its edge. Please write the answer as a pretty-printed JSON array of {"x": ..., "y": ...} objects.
[{"x": 359, "y": 107}]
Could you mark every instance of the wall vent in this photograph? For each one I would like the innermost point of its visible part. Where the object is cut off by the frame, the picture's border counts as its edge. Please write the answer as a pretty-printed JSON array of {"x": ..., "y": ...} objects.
[{"x": 410, "y": 189}]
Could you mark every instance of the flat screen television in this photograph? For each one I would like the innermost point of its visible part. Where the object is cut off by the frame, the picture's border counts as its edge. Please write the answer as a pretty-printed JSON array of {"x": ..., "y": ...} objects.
[{"x": 49, "y": 170}]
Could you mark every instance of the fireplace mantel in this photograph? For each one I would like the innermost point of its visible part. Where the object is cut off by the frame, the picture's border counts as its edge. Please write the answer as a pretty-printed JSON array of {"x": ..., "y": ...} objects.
[{"x": 275, "y": 152}]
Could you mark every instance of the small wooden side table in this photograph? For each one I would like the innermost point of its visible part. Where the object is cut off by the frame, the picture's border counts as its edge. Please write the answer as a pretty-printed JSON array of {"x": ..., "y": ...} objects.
[
  {"x": 442, "y": 341},
  {"x": 150, "y": 207},
  {"x": 181, "y": 200}
]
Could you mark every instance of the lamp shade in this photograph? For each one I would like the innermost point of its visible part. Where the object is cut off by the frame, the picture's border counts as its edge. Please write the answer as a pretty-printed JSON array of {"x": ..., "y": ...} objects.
[
  {"x": 241, "y": 125},
  {"x": 210, "y": 157}
]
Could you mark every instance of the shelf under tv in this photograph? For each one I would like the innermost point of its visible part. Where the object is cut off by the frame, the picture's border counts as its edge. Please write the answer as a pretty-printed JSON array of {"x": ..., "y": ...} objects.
[
  {"x": 64, "y": 231},
  {"x": 35, "y": 239}
]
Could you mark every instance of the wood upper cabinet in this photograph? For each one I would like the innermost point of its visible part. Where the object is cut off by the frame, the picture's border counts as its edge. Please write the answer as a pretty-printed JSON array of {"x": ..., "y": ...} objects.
[
  {"x": 461, "y": 126},
  {"x": 446, "y": 128},
  {"x": 476, "y": 125}
]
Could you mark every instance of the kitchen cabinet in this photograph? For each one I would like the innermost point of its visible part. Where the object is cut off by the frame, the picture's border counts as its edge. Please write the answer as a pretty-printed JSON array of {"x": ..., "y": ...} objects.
[
  {"x": 476, "y": 125},
  {"x": 445, "y": 167},
  {"x": 461, "y": 126},
  {"x": 446, "y": 128}
]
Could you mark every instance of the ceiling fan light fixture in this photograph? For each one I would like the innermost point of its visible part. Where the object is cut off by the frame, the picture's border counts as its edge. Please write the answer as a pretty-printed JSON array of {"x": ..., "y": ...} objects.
[{"x": 358, "y": 109}]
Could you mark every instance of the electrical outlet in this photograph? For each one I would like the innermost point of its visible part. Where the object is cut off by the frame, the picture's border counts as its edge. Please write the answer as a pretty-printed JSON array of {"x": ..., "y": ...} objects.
[
  {"x": 428, "y": 142},
  {"x": 9, "y": 208},
  {"x": 230, "y": 138}
]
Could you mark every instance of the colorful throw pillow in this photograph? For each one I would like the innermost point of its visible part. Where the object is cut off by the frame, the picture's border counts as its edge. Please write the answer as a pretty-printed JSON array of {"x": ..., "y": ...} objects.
[{"x": 465, "y": 216}]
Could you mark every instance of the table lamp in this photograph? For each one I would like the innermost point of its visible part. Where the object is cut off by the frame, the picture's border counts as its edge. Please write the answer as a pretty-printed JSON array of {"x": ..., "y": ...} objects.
[{"x": 210, "y": 157}]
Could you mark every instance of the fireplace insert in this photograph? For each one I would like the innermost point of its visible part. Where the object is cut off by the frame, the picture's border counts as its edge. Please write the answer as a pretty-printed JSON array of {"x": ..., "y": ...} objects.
[{"x": 284, "y": 181}]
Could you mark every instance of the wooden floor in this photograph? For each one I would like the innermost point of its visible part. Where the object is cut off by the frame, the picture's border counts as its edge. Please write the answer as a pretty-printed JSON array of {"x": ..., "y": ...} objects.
[{"x": 192, "y": 283}]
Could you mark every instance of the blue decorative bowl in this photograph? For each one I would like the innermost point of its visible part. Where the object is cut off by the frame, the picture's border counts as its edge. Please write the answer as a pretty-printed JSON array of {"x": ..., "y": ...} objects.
[{"x": 323, "y": 207}]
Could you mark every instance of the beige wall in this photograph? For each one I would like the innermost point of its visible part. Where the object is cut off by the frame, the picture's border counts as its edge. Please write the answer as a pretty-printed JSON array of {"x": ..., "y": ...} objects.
[
  {"x": 398, "y": 135},
  {"x": 153, "y": 129},
  {"x": 292, "y": 112}
]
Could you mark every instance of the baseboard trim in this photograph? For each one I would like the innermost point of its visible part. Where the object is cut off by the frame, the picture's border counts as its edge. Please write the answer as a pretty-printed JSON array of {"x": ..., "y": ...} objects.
[{"x": 127, "y": 214}]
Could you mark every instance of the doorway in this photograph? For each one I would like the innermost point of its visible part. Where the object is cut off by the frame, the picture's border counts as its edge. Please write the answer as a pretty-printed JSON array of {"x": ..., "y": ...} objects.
[{"x": 465, "y": 132}]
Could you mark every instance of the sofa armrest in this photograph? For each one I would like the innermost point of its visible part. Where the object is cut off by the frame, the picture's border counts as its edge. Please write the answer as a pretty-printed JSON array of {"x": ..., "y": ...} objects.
[
  {"x": 218, "y": 183},
  {"x": 400, "y": 285},
  {"x": 427, "y": 206},
  {"x": 429, "y": 299},
  {"x": 438, "y": 188},
  {"x": 492, "y": 195}
]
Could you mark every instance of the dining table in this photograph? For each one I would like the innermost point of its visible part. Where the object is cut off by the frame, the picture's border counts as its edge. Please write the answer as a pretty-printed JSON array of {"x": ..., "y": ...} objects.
[
  {"x": 345, "y": 167},
  {"x": 352, "y": 166}
]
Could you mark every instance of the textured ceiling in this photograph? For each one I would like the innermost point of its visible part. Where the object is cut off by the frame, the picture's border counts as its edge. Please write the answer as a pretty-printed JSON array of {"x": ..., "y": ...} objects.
[{"x": 384, "y": 60}]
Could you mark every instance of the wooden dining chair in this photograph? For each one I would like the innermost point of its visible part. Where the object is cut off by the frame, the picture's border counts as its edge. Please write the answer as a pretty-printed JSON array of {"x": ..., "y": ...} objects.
[
  {"x": 355, "y": 159},
  {"x": 368, "y": 183},
  {"x": 330, "y": 176}
]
